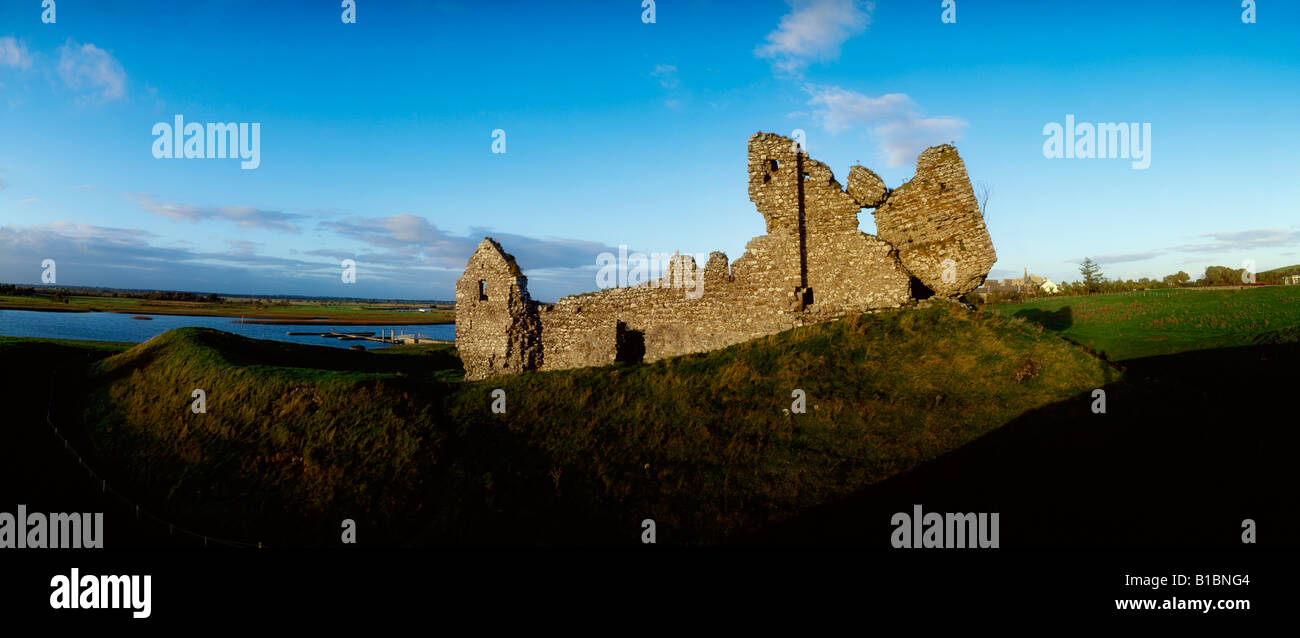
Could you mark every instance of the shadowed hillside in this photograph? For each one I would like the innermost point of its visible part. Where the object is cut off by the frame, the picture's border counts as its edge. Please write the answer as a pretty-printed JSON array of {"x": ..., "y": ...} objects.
[{"x": 1191, "y": 445}]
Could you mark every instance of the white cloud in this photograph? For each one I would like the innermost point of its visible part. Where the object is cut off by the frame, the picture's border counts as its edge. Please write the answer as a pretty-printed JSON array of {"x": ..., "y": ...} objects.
[
  {"x": 29, "y": 201},
  {"x": 87, "y": 67},
  {"x": 842, "y": 109},
  {"x": 813, "y": 31},
  {"x": 14, "y": 53},
  {"x": 893, "y": 117}
]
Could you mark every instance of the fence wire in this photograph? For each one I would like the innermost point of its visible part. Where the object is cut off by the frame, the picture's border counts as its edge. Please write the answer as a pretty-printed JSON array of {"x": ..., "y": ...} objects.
[{"x": 140, "y": 512}]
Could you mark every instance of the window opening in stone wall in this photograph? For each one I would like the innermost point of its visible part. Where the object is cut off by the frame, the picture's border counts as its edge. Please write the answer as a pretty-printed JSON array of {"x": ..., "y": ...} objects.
[{"x": 482, "y": 290}]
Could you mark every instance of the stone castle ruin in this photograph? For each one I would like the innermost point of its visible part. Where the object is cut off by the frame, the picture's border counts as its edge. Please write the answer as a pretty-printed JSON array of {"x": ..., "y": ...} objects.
[{"x": 813, "y": 265}]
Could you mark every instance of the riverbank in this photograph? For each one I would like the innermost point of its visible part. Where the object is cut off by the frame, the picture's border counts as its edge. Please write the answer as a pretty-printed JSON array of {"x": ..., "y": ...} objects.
[{"x": 283, "y": 313}]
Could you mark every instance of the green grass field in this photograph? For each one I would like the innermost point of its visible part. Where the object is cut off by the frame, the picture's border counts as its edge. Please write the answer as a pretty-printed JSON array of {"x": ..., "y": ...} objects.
[
  {"x": 1134, "y": 325},
  {"x": 289, "y": 310}
]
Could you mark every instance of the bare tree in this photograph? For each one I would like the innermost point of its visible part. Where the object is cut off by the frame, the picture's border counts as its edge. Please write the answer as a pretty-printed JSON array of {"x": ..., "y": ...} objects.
[{"x": 982, "y": 192}]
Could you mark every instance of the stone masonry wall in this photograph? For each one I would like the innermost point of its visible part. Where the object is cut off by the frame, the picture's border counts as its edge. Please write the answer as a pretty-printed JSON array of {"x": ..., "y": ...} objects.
[
  {"x": 934, "y": 218},
  {"x": 813, "y": 264},
  {"x": 497, "y": 329}
]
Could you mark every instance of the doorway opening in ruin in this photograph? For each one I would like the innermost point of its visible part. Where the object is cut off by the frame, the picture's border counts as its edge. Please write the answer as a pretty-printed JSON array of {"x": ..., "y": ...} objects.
[
  {"x": 630, "y": 345},
  {"x": 920, "y": 291}
]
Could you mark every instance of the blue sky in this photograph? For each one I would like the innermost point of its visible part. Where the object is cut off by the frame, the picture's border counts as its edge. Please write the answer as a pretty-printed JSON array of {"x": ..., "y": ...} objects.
[{"x": 376, "y": 137}]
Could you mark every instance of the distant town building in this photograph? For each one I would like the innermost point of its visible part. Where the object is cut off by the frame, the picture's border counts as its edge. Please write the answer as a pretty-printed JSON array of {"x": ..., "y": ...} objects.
[
  {"x": 1025, "y": 284},
  {"x": 1291, "y": 280}
]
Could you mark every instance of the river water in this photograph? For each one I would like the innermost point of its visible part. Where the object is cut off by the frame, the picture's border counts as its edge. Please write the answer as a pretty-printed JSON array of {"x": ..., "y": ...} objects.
[{"x": 113, "y": 326}]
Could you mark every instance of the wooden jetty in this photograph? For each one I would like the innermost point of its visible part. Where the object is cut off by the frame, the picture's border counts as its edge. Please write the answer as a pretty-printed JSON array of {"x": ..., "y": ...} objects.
[
  {"x": 384, "y": 337},
  {"x": 331, "y": 334}
]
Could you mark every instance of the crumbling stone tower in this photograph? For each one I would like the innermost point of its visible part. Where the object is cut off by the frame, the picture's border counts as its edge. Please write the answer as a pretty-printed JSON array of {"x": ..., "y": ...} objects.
[
  {"x": 497, "y": 330},
  {"x": 813, "y": 264},
  {"x": 814, "y": 256},
  {"x": 934, "y": 218}
]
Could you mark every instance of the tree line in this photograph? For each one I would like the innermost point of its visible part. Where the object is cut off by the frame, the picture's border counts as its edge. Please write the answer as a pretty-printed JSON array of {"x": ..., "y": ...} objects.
[
  {"x": 61, "y": 295},
  {"x": 1093, "y": 281}
]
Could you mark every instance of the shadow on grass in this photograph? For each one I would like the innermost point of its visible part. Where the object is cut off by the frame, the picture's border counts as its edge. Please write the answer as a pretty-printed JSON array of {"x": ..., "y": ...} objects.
[
  {"x": 1057, "y": 321},
  {"x": 1190, "y": 445}
]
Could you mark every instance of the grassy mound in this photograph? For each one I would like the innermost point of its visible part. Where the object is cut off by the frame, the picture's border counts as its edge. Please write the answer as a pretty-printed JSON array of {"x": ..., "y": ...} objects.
[
  {"x": 290, "y": 432},
  {"x": 296, "y": 438}
]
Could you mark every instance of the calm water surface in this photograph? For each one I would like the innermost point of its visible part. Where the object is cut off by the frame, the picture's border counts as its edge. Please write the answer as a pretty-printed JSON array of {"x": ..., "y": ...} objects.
[{"x": 112, "y": 326}]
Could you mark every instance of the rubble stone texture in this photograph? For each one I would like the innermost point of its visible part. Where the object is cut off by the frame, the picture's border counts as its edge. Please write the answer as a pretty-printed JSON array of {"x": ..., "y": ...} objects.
[
  {"x": 813, "y": 265},
  {"x": 866, "y": 187},
  {"x": 935, "y": 217},
  {"x": 497, "y": 329}
]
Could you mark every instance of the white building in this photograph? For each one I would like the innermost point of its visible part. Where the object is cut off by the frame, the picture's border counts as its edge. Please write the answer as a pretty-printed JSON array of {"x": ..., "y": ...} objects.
[{"x": 1049, "y": 288}]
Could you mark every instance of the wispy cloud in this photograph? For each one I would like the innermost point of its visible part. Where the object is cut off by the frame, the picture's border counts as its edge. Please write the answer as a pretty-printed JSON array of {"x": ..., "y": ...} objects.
[
  {"x": 555, "y": 266},
  {"x": 1243, "y": 240},
  {"x": 892, "y": 117},
  {"x": 1120, "y": 258},
  {"x": 411, "y": 239},
  {"x": 409, "y": 258},
  {"x": 245, "y": 216},
  {"x": 88, "y": 68},
  {"x": 666, "y": 74},
  {"x": 90, "y": 255},
  {"x": 547, "y": 253},
  {"x": 14, "y": 53},
  {"x": 904, "y": 139},
  {"x": 813, "y": 31},
  {"x": 839, "y": 109},
  {"x": 405, "y": 238},
  {"x": 1223, "y": 242}
]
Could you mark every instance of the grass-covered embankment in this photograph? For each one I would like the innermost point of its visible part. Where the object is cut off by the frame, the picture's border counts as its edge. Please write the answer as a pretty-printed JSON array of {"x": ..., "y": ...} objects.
[{"x": 297, "y": 437}]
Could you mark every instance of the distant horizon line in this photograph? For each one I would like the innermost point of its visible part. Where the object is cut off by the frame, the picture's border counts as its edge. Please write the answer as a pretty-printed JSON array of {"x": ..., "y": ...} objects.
[
  {"x": 989, "y": 277},
  {"x": 226, "y": 294}
]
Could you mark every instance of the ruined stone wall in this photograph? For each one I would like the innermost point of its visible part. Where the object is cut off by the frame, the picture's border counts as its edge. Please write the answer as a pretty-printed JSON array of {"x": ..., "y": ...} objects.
[
  {"x": 663, "y": 321},
  {"x": 935, "y": 217},
  {"x": 813, "y": 264},
  {"x": 497, "y": 328}
]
